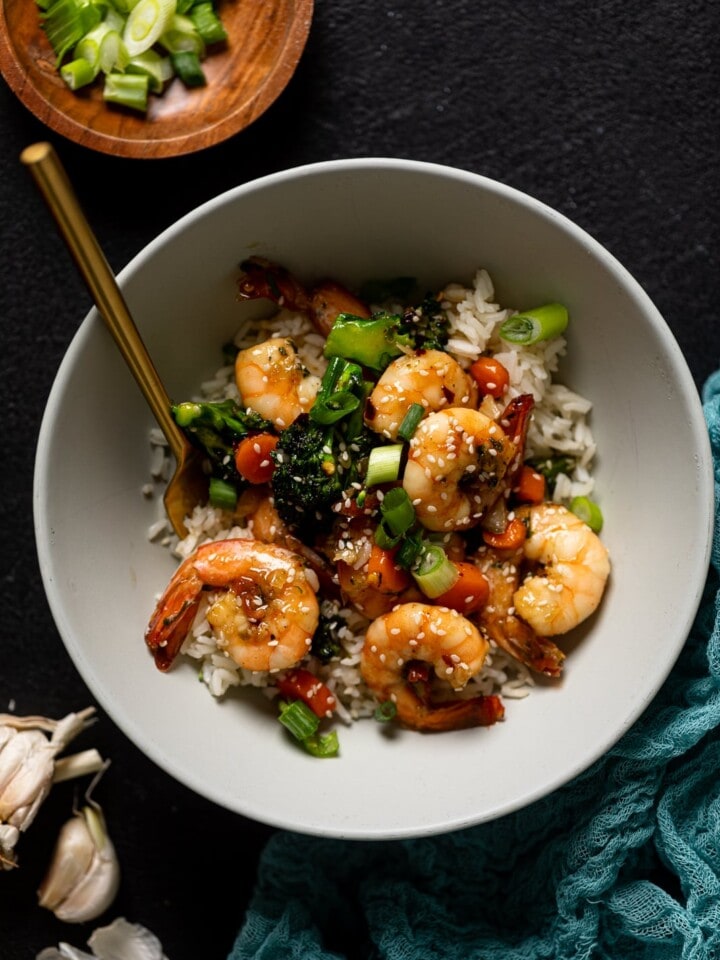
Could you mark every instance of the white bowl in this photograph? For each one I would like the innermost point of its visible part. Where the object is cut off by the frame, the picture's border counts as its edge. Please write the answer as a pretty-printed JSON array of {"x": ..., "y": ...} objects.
[{"x": 353, "y": 220}]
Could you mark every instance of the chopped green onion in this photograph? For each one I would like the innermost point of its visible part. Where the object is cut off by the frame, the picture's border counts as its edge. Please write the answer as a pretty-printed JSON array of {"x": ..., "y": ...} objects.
[
  {"x": 113, "y": 54},
  {"x": 397, "y": 511},
  {"x": 146, "y": 23},
  {"x": 541, "y": 323},
  {"x": 409, "y": 550},
  {"x": 67, "y": 21},
  {"x": 222, "y": 494},
  {"x": 322, "y": 745},
  {"x": 186, "y": 64},
  {"x": 207, "y": 23},
  {"x": 385, "y": 712},
  {"x": 78, "y": 73},
  {"x": 435, "y": 572},
  {"x": 385, "y": 539},
  {"x": 588, "y": 511},
  {"x": 157, "y": 69},
  {"x": 299, "y": 719},
  {"x": 128, "y": 90},
  {"x": 411, "y": 420},
  {"x": 180, "y": 35},
  {"x": 384, "y": 464}
]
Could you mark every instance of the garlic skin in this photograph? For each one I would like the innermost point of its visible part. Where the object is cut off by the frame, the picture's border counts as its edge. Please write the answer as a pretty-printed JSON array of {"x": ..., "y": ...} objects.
[
  {"x": 84, "y": 873},
  {"x": 27, "y": 766}
]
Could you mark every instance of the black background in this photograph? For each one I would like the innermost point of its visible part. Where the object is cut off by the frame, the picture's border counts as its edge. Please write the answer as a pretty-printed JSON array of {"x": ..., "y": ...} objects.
[{"x": 606, "y": 111}]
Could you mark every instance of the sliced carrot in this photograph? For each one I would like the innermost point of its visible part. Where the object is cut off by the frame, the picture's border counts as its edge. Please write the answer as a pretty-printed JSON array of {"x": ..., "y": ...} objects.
[
  {"x": 491, "y": 376},
  {"x": 530, "y": 485},
  {"x": 469, "y": 592},
  {"x": 384, "y": 574},
  {"x": 304, "y": 685},
  {"x": 514, "y": 535},
  {"x": 253, "y": 460}
]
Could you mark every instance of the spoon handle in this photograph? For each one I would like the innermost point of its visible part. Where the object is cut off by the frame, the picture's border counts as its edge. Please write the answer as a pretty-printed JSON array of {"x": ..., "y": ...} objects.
[{"x": 50, "y": 177}]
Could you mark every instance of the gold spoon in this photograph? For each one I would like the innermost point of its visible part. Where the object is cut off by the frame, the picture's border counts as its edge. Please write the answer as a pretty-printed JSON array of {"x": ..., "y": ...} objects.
[{"x": 188, "y": 485}]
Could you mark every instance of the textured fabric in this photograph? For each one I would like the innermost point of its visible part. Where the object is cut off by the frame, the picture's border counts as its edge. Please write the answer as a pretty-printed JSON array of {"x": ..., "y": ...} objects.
[{"x": 622, "y": 863}]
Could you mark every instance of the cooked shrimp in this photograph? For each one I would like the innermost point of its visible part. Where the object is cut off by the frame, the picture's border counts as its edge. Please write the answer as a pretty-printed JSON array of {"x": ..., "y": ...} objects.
[
  {"x": 256, "y": 507},
  {"x": 322, "y": 303},
  {"x": 262, "y": 607},
  {"x": 525, "y": 609},
  {"x": 429, "y": 377},
  {"x": 574, "y": 570},
  {"x": 498, "y": 619},
  {"x": 456, "y": 464},
  {"x": 273, "y": 382},
  {"x": 413, "y": 634}
]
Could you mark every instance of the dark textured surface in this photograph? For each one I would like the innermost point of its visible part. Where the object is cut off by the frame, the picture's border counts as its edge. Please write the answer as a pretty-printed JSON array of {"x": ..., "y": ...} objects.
[{"x": 608, "y": 112}]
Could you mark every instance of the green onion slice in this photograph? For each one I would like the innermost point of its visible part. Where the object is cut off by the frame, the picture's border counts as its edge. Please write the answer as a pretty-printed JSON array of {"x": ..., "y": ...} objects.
[
  {"x": 222, "y": 494},
  {"x": 384, "y": 464},
  {"x": 385, "y": 712},
  {"x": 541, "y": 323},
  {"x": 397, "y": 511},
  {"x": 299, "y": 719},
  {"x": 146, "y": 22},
  {"x": 322, "y": 745},
  {"x": 126, "y": 89},
  {"x": 186, "y": 64},
  {"x": 78, "y": 73},
  {"x": 588, "y": 511},
  {"x": 410, "y": 422},
  {"x": 435, "y": 573}
]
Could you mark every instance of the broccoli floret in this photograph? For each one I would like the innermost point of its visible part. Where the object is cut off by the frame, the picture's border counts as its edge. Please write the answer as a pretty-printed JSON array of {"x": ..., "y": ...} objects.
[
  {"x": 427, "y": 325},
  {"x": 375, "y": 341},
  {"x": 321, "y": 453},
  {"x": 217, "y": 427},
  {"x": 314, "y": 465},
  {"x": 325, "y": 641}
]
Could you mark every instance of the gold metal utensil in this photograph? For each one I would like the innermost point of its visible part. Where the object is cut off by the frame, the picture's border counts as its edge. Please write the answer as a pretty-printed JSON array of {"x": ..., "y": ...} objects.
[{"x": 189, "y": 485}]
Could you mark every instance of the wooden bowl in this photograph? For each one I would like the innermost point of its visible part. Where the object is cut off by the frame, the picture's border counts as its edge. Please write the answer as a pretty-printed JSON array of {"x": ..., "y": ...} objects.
[{"x": 244, "y": 76}]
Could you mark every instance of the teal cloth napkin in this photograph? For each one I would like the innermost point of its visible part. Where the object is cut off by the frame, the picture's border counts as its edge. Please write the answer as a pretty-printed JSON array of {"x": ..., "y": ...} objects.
[{"x": 621, "y": 863}]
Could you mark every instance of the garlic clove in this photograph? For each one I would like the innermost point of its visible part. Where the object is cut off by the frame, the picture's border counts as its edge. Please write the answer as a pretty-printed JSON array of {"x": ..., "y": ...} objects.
[
  {"x": 84, "y": 874},
  {"x": 26, "y": 769},
  {"x": 122, "y": 940},
  {"x": 71, "y": 860}
]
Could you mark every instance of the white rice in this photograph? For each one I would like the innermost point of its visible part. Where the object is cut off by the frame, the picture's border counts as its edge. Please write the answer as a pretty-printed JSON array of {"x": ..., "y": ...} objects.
[{"x": 559, "y": 427}]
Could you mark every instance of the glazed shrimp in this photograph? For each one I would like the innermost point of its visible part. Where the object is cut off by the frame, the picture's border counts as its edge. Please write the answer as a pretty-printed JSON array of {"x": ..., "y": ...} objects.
[
  {"x": 263, "y": 608},
  {"x": 430, "y": 377},
  {"x": 456, "y": 464},
  {"x": 322, "y": 303},
  {"x": 526, "y": 608},
  {"x": 400, "y": 643},
  {"x": 273, "y": 382},
  {"x": 574, "y": 570},
  {"x": 498, "y": 620}
]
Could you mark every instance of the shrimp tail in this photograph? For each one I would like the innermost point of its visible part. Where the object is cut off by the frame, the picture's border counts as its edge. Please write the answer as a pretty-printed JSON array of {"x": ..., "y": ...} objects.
[
  {"x": 518, "y": 639},
  {"x": 419, "y": 712},
  {"x": 263, "y": 279},
  {"x": 515, "y": 420},
  {"x": 173, "y": 616}
]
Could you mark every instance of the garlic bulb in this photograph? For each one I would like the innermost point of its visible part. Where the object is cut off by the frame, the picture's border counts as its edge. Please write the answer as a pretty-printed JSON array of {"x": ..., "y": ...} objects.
[
  {"x": 27, "y": 770},
  {"x": 84, "y": 874}
]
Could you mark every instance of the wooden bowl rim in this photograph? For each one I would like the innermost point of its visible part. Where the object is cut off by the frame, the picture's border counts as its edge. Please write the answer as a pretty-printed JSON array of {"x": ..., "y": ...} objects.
[{"x": 158, "y": 147}]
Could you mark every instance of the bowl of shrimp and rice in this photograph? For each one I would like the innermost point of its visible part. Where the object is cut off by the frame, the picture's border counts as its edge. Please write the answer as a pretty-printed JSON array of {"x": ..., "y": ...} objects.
[{"x": 606, "y": 394}]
